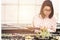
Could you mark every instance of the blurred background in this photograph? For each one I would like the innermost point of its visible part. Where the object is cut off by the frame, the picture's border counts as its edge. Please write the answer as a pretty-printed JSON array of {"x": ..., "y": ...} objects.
[{"x": 23, "y": 11}]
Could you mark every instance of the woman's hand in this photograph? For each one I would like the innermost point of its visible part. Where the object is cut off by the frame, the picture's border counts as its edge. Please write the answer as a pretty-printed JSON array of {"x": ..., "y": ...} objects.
[{"x": 30, "y": 28}]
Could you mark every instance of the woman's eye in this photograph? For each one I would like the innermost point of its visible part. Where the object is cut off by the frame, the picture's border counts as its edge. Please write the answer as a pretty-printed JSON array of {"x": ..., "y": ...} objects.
[{"x": 47, "y": 10}]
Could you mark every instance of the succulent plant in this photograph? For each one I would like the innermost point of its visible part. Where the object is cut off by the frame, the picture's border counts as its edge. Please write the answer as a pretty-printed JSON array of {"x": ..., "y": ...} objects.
[{"x": 43, "y": 33}]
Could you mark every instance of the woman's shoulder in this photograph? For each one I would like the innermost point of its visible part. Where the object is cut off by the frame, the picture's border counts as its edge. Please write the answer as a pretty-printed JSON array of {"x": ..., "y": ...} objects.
[
  {"x": 54, "y": 19},
  {"x": 37, "y": 16}
]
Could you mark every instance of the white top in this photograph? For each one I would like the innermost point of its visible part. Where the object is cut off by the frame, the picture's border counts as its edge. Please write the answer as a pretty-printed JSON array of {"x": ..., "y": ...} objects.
[{"x": 46, "y": 22}]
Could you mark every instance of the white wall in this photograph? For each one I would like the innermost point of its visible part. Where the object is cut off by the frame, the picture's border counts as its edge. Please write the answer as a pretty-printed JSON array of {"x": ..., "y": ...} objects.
[
  {"x": 59, "y": 12},
  {"x": 9, "y": 11}
]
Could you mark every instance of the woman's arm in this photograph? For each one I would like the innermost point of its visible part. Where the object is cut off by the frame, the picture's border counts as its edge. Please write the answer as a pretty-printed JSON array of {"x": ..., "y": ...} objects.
[
  {"x": 54, "y": 25},
  {"x": 36, "y": 22}
]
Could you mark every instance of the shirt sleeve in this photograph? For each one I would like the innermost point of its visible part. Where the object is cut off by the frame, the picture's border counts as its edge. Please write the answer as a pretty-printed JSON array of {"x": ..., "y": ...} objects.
[
  {"x": 54, "y": 24},
  {"x": 36, "y": 22}
]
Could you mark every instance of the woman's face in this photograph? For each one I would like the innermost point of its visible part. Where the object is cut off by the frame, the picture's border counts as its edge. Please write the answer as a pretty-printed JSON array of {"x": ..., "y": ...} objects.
[{"x": 47, "y": 11}]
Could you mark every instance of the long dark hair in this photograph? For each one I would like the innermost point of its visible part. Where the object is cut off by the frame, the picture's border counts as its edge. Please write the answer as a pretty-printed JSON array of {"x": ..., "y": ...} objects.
[{"x": 47, "y": 3}]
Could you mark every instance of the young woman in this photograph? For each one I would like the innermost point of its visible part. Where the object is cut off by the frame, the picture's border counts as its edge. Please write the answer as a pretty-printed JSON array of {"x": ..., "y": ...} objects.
[{"x": 45, "y": 19}]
